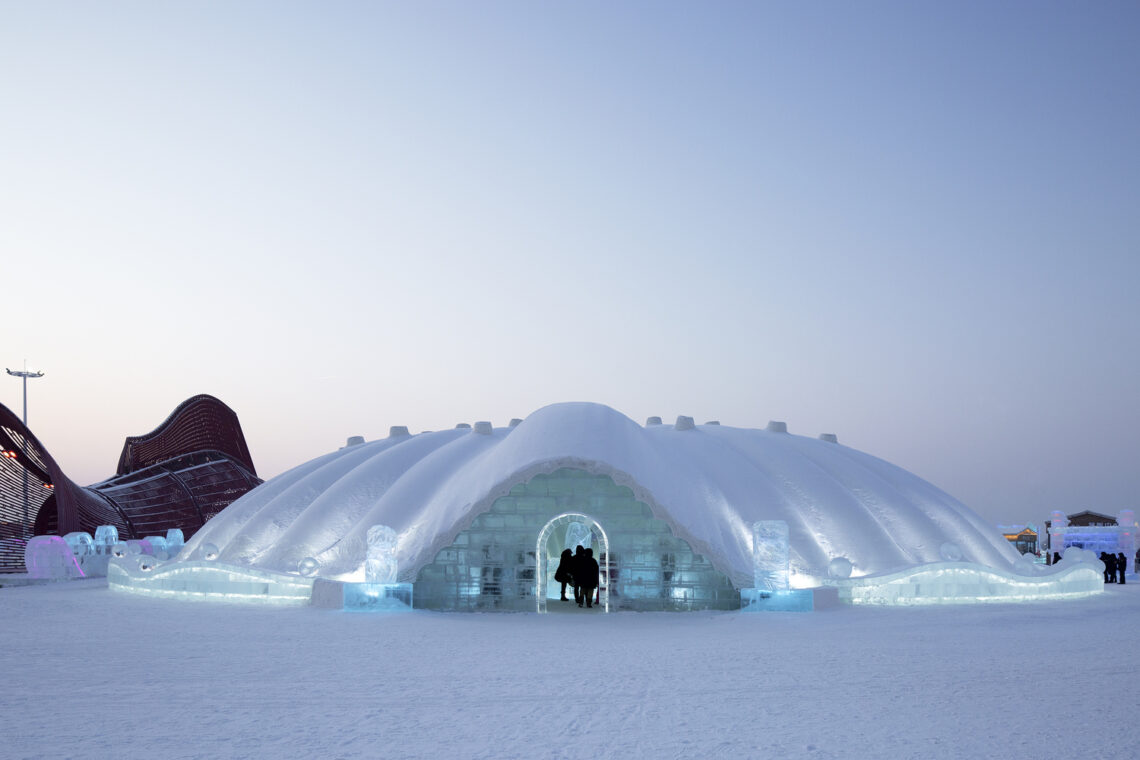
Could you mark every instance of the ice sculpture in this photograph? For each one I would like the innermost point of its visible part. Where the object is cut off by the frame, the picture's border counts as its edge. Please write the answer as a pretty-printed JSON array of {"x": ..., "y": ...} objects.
[
  {"x": 174, "y": 541},
  {"x": 80, "y": 543},
  {"x": 308, "y": 566},
  {"x": 106, "y": 536},
  {"x": 119, "y": 549},
  {"x": 840, "y": 567},
  {"x": 50, "y": 557},
  {"x": 380, "y": 562},
  {"x": 209, "y": 551},
  {"x": 577, "y": 534},
  {"x": 770, "y": 554}
]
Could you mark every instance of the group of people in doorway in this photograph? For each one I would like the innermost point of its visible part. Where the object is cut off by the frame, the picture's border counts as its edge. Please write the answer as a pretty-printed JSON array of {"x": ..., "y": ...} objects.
[
  {"x": 1115, "y": 565},
  {"x": 579, "y": 570}
]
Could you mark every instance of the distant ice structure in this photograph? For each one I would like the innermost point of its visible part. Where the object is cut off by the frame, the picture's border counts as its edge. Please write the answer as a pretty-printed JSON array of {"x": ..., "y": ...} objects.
[{"x": 49, "y": 557}]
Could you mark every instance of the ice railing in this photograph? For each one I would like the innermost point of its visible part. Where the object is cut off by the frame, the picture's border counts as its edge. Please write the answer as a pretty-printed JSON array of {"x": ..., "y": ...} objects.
[{"x": 959, "y": 582}]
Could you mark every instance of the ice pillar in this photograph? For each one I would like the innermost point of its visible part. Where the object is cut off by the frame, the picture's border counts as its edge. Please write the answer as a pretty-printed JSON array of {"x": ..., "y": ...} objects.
[
  {"x": 1126, "y": 521},
  {"x": 1057, "y": 524},
  {"x": 770, "y": 554}
]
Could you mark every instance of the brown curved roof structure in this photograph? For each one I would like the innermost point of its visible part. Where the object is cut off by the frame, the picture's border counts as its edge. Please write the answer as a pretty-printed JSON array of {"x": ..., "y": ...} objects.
[
  {"x": 198, "y": 423},
  {"x": 177, "y": 476}
]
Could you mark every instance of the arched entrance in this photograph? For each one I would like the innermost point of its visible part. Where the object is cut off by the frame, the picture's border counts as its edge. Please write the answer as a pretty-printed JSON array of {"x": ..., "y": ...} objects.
[{"x": 561, "y": 526}]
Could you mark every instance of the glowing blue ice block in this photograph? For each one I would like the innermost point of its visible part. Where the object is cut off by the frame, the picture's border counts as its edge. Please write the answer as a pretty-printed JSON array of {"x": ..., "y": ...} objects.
[
  {"x": 378, "y": 597},
  {"x": 770, "y": 554}
]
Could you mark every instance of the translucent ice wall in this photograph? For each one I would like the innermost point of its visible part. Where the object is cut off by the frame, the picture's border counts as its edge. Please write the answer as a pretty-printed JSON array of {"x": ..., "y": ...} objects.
[{"x": 51, "y": 558}]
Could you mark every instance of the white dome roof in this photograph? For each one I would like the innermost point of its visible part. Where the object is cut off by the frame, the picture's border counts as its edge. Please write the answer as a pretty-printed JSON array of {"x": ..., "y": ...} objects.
[{"x": 708, "y": 482}]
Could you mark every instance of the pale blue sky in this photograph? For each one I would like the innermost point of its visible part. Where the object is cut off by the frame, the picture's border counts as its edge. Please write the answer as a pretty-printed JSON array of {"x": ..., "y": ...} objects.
[{"x": 912, "y": 224}]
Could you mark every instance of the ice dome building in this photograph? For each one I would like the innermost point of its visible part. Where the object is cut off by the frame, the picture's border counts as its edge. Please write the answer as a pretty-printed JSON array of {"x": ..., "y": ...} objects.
[{"x": 481, "y": 514}]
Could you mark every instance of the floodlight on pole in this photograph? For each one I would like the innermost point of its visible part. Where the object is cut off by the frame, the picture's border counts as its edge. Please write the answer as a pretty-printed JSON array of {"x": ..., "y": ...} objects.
[{"x": 25, "y": 373}]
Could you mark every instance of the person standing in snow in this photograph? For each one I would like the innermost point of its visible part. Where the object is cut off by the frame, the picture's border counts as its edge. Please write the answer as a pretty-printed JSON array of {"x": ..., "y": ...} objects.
[
  {"x": 1121, "y": 566},
  {"x": 564, "y": 574},
  {"x": 588, "y": 582}
]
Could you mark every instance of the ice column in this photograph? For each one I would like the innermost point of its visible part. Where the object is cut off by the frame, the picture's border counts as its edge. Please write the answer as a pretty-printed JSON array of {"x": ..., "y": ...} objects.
[
  {"x": 380, "y": 563},
  {"x": 1058, "y": 523},
  {"x": 770, "y": 554},
  {"x": 175, "y": 540},
  {"x": 1126, "y": 520}
]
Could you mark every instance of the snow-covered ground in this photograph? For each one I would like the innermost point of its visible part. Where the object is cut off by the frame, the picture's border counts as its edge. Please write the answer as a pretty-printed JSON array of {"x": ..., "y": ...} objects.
[{"x": 91, "y": 673}]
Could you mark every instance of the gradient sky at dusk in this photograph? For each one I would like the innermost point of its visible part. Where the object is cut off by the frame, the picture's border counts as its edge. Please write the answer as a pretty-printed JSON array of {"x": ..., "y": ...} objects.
[{"x": 912, "y": 224}]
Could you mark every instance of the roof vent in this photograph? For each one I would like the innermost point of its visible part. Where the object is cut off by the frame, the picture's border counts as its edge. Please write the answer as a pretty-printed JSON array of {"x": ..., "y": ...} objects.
[
  {"x": 483, "y": 428},
  {"x": 398, "y": 430},
  {"x": 515, "y": 422},
  {"x": 713, "y": 422},
  {"x": 777, "y": 427},
  {"x": 354, "y": 440},
  {"x": 463, "y": 426},
  {"x": 684, "y": 423},
  {"x": 829, "y": 437},
  {"x": 653, "y": 421}
]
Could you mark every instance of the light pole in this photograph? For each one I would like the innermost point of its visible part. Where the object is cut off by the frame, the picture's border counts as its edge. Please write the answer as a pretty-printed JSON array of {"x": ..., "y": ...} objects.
[{"x": 25, "y": 373}]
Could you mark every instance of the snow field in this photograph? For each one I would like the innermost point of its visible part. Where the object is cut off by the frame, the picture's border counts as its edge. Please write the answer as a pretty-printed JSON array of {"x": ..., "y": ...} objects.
[{"x": 91, "y": 673}]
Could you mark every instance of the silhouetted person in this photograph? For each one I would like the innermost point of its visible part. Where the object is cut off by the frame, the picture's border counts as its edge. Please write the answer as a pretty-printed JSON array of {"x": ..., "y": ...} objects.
[
  {"x": 1104, "y": 559},
  {"x": 565, "y": 574},
  {"x": 576, "y": 570},
  {"x": 1109, "y": 567},
  {"x": 1056, "y": 557},
  {"x": 588, "y": 581},
  {"x": 1121, "y": 566}
]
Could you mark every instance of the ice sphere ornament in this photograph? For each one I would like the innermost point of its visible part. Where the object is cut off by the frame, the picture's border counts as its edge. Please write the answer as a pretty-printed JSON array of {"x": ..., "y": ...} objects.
[
  {"x": 770, "y": 554},
  {"x": 119, "y": 549},
  {"x": 209, "y": 551},
  {"x": 380, "y": 562},
  {"x": 308, "y": 566},
  {"x": 950, "y": 552},
  {"x": 840, "y": 567}
]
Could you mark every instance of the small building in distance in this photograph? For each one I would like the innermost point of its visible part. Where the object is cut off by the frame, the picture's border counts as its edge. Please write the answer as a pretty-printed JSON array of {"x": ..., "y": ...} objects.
[{"x": 1024, "y": 539}]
